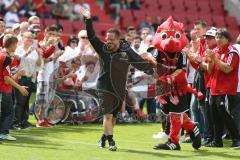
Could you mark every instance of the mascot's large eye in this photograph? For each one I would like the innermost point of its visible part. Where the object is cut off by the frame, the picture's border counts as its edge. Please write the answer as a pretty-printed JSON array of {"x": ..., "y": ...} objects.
[
  {"x": 177, "y": 35},
  {"x": 163, "y": 35}
]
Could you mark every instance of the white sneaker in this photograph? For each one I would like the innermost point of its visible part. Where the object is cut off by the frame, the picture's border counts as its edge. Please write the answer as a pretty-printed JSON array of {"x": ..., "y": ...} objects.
[
  {"x": 160, "y": 135},
  {"x": 182, "y": 138}
]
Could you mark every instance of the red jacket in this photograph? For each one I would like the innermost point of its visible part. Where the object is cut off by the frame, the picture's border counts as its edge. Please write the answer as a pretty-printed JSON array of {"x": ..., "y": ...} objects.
[
  {"x": 222, "y": 83},
  {"x": 6, "y": 88}
]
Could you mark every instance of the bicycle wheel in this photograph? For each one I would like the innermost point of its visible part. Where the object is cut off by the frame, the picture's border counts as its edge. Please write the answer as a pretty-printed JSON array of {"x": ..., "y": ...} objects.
[
  {"x": 91, "y": 110},
  {"x": 69, "y": 104},
  {"x": 56, "y": 110}
]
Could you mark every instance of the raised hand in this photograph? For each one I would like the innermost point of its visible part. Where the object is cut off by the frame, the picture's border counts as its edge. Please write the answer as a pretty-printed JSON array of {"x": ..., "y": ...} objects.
[{"x": 86, "y": 13}]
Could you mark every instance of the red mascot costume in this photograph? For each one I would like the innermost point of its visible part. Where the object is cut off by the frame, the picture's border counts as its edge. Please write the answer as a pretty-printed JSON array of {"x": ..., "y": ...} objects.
[{"x": 172, "y": 85}]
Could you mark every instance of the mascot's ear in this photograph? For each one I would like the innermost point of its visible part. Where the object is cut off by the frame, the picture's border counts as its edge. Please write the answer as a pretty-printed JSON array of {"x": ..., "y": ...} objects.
[{"x": 181, "y": 26}]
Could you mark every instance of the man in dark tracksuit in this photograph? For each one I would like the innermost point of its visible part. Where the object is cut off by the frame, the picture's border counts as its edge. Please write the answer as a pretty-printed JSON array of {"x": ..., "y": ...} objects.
[{"x": 115, "y": 57}]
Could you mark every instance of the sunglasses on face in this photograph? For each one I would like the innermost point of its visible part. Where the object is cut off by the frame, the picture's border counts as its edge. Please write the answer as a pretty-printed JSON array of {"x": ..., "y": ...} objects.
[
  {"x": 209, "y": 37},
  {"x": 84, "y": 37}
]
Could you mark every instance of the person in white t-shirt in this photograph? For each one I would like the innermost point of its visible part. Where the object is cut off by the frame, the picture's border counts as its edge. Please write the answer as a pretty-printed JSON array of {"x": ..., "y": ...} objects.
[
  {"x": 11, "y": 17},
  {"x": 87, "y": 75},
  {"x": 71, "y": 51},
  {"x": 30, "y": 60}
]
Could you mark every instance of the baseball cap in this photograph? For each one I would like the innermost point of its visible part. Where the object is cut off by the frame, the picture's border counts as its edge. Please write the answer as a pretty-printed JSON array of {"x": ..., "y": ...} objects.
[
  {"x": 211, "y": 32},
  {"x": 16, "y": 26}
]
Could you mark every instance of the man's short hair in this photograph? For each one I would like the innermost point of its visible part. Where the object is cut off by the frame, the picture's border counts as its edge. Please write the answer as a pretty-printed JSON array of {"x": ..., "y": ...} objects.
[
  {"x": 50, "y": 28},
  {"x": 201, "y": 22},
  {"x": 32, "y": 18},
  {"x": 89, "y": 63},
  {"x": 72, "y": 39},
  {"x": 224, "y": 32},
  {"x": 137, "y": 37},
  {"x": 8, "y": 40},
  {"x": 58, "y": 26},
  {"x": 145, "y": 29},
  {"x": 115, "y": 31},
  {"x": 130, "y": 28}
]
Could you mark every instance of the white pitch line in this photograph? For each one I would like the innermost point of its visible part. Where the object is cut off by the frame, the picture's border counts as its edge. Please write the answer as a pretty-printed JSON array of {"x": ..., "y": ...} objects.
[{"x": 76, "y": 141}]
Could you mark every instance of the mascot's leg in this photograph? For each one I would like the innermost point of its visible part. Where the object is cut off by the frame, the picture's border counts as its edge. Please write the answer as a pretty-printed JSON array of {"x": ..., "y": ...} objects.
[
  {"x": 193, "y": 131},
  {"x": 175, "y": 129}
]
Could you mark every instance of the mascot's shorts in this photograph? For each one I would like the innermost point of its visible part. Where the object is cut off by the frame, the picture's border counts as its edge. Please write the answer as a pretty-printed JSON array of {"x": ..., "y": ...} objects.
[{"x": 109, "y": 102}]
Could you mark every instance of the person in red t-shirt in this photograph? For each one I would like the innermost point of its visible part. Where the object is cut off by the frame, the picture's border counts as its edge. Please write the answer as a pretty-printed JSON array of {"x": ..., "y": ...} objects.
[
  {"x": 197, "y": 107},
  {"x": 223, "y": 66},
  {"x": 7, "y": 81},
  {"x": 210, "y": 44},
  {"x": 40, "y": 7}
]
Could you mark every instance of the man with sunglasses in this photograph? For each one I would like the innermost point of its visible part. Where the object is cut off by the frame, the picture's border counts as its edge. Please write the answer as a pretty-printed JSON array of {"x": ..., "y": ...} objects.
[
  {"x": 86, "y": 51},
  {"x": 115, "y": 57}
]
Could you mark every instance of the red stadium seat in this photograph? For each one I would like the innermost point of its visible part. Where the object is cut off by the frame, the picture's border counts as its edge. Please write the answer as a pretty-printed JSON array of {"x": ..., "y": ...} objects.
[
  {"x": 219, "y": 21},
  {"x": 179, "y": 8},
  {"x": 234, "y": 34},
  {"x": 180, "y": 18},
  {"x": 231, "y": 22},
  {"x": 49, "y": 22},
  {"x": 191, "y": 18},
  {"x": 101, "y": 28},
  {"x": 139, "y": 16},
  {"x": 67, "y": 26},
  {"x": 151, "y": 4},
  {"x": 126, "y": 16},
  {"x": 77, "y": 26},
  {"x": 217, "y": 9},
  {"x": 203, "y": 5},
  {"x": 190, "y": 4},
  {"x": 208, "y": 19}
]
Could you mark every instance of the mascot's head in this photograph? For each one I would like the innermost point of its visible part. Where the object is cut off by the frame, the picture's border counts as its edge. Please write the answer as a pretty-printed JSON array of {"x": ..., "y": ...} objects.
[{"x": 170, "y": 36}]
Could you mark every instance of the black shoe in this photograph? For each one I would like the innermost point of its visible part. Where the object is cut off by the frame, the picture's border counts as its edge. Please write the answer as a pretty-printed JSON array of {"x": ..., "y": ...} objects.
[
  {"x": 16, "y": 127},
  {"x": 209, "y": 140},
  {"x": 215, "y": 144},
  {"x": 102, "y": 141},
  {"x": 167, "y": 146},
  {"x": 196, "y": 138},
  {"x": 112, "y": 146},
  {"x": 235, "y": 144},
  {"x": 26, "y": 124}
]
